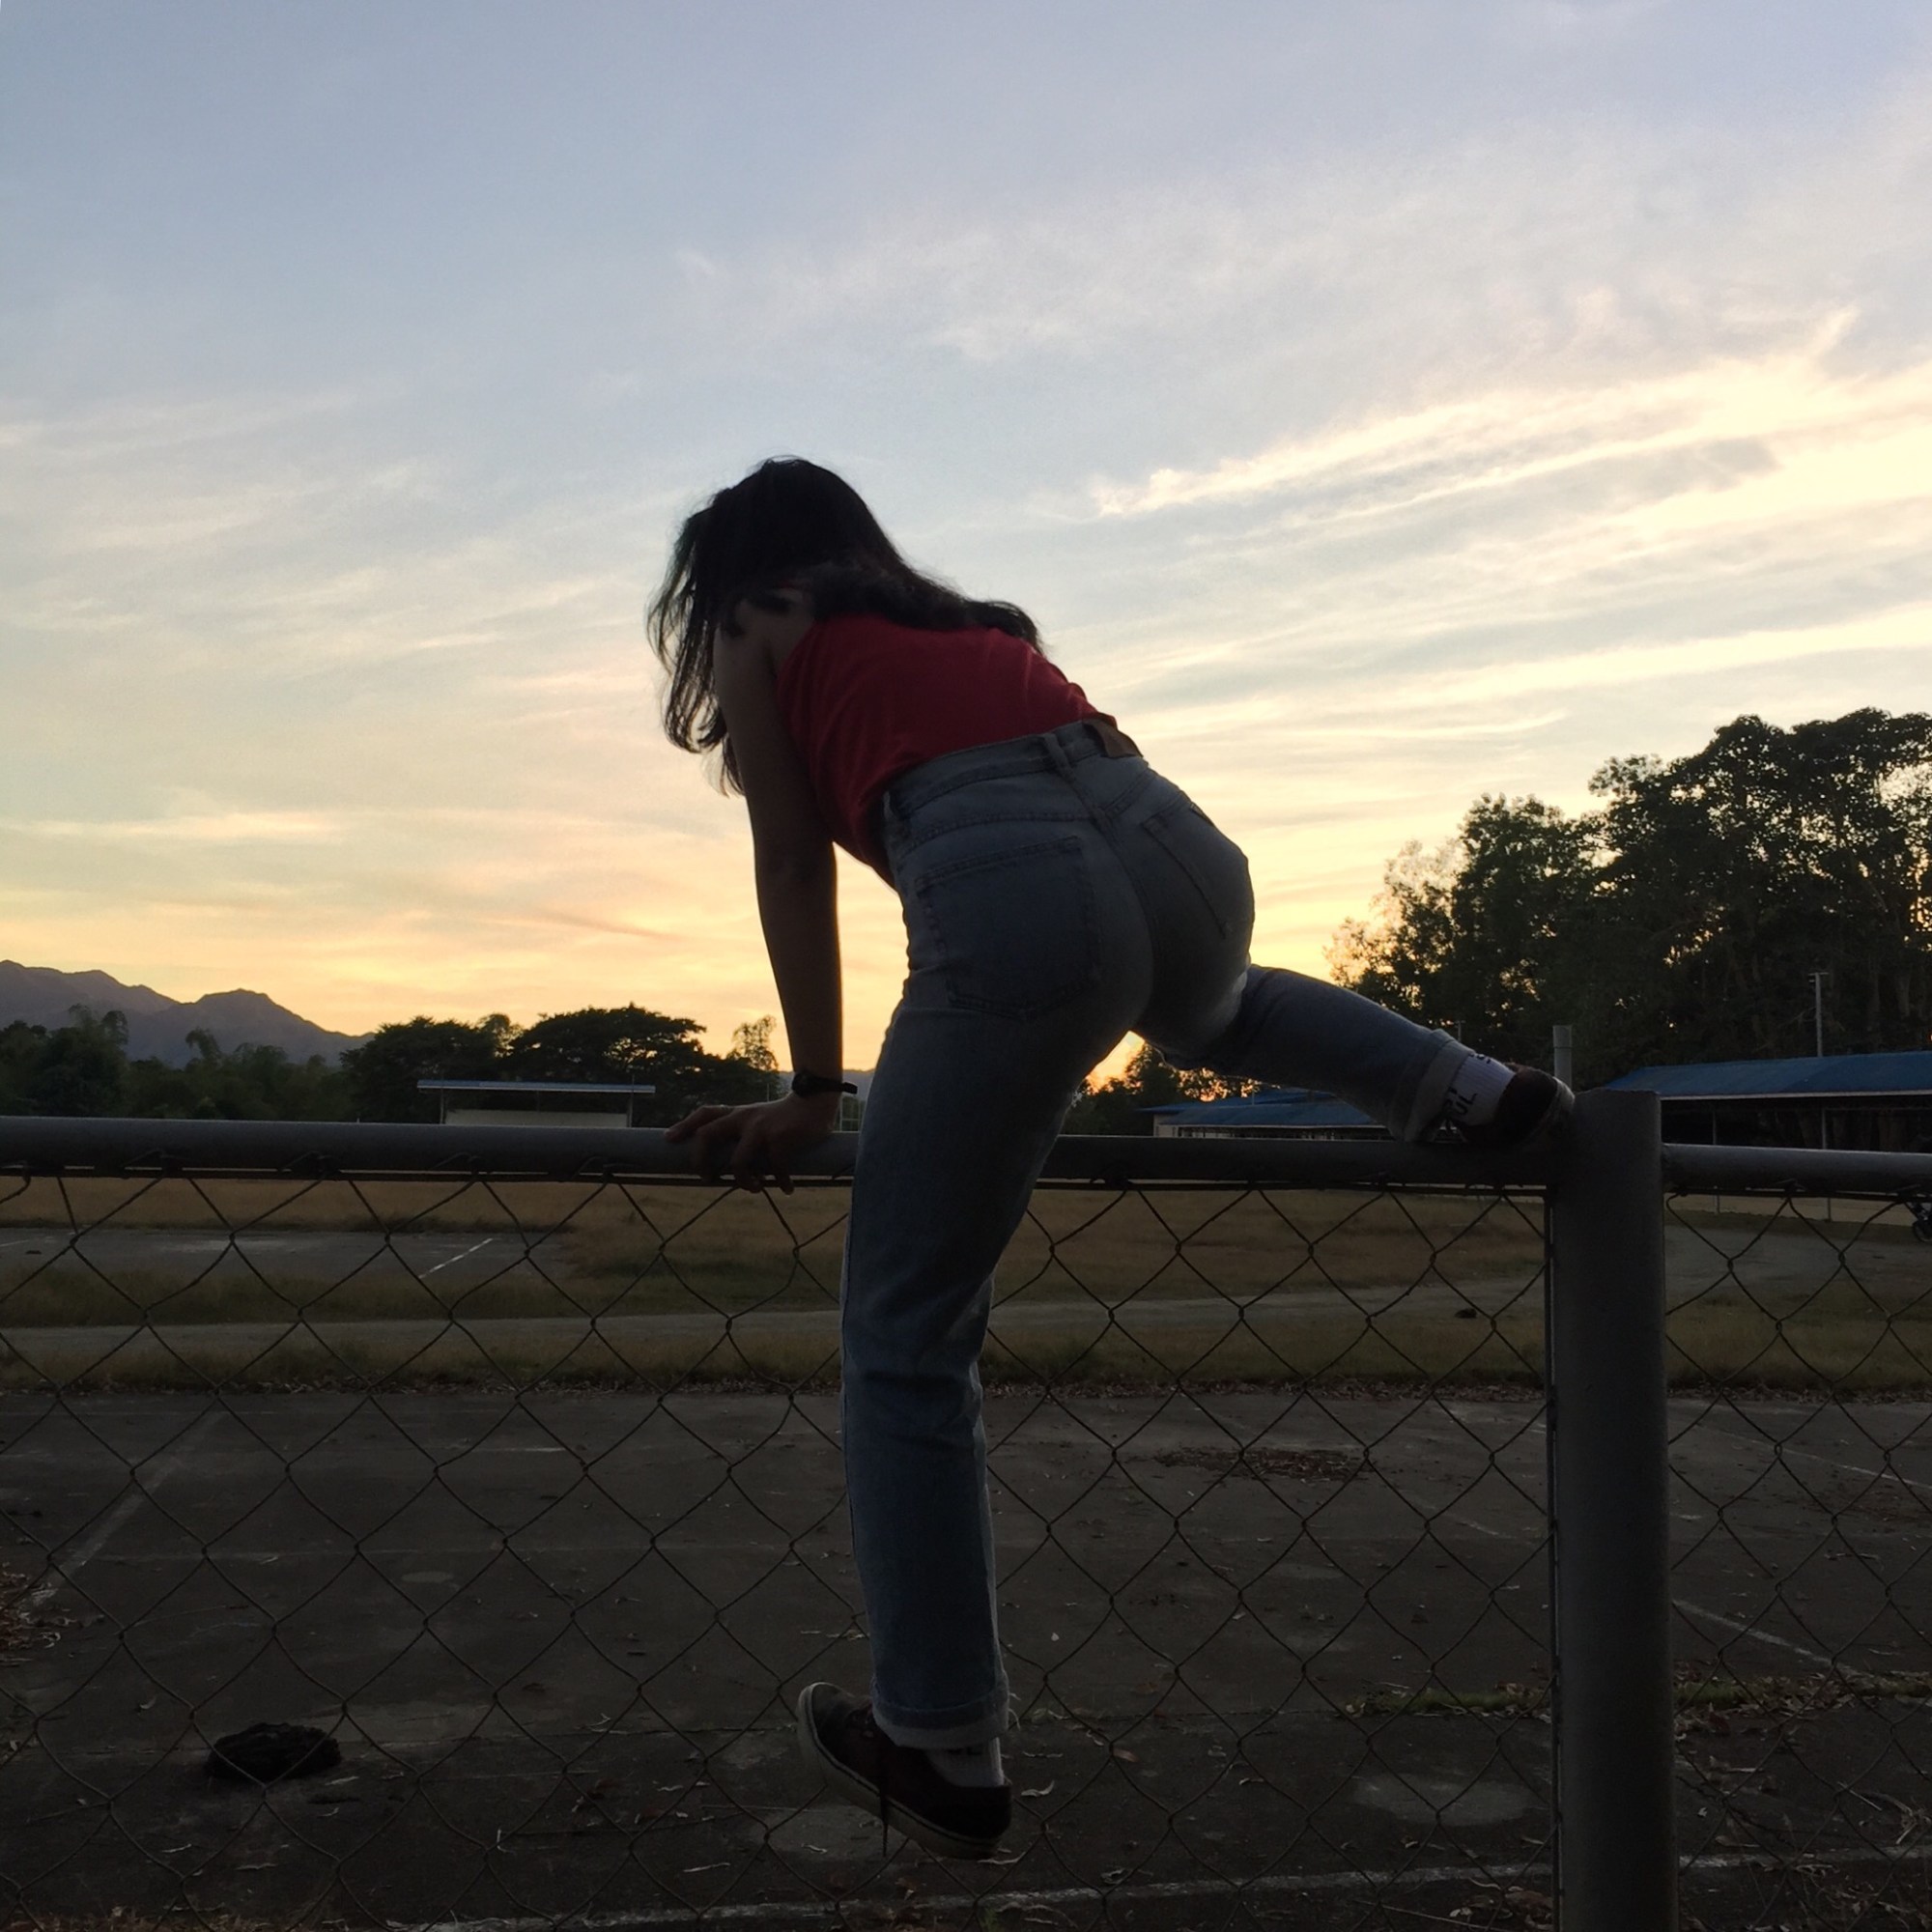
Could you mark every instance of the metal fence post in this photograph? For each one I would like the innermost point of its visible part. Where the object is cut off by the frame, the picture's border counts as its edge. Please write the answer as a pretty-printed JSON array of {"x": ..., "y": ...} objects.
[{"x": 1616, "y": 1861}]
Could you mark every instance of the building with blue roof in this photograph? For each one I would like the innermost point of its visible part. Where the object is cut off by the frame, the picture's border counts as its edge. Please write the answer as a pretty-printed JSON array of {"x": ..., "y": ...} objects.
[{"x": 1882, "y": 1100}]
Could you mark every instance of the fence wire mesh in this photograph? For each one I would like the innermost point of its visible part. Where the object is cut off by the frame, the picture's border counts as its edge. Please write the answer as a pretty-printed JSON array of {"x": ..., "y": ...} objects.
[
  {"x": 1800, "y": 1334},
  {"x": 524, "y": 1495},
  {"x": 527, "y": 1496}
]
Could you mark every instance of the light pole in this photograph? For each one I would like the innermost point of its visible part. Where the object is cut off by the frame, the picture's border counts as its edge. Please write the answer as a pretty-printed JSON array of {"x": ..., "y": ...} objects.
[{"x": 1818, "y": 980}]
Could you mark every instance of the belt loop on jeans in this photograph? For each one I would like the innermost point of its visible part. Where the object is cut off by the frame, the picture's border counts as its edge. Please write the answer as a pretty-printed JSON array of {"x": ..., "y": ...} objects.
[{"x": 1058, "y": 754}]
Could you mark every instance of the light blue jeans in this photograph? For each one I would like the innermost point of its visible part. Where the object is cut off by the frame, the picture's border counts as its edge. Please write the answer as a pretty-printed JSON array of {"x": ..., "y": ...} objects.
[{"x": 1056, "y": 899}]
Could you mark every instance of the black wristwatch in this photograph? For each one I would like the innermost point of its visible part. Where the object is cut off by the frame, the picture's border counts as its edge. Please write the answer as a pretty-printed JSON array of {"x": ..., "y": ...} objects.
[{"x": 809, "y": 1086}]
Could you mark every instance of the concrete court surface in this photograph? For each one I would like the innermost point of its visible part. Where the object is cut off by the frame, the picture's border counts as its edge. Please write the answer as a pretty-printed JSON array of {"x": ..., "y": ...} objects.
[{"x": 554, "y": 1636}]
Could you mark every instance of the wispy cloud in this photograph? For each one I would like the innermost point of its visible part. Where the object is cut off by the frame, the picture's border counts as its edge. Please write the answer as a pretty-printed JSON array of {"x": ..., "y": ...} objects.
[
  {"x": 221, "y": 828},
  {"x": 1651, "y": 666},
  {"x": 1738, "y": 412},
  {"x": 1695, "y": 503},
  {"x": 125, "y": 427},
  {"x": 1553, "y": 239}
]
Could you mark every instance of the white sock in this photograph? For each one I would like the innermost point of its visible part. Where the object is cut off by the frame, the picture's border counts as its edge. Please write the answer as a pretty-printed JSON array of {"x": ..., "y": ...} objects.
[
  {"x": 1474, "y": 1092},
  {"x": 969, "y": 1763}
]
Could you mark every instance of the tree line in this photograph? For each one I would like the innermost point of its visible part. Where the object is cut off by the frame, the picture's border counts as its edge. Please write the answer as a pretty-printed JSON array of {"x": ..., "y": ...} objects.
[
  {"x": 1684, "y": 917},
  {"x": 627, "y": 1043},
  {"x": 1681, "y": 918},
  {"x": 83, "y": 1067}
]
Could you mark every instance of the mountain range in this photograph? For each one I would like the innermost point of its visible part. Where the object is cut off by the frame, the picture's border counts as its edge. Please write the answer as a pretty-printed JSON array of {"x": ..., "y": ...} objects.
[{"x": 159, "y": 1027}]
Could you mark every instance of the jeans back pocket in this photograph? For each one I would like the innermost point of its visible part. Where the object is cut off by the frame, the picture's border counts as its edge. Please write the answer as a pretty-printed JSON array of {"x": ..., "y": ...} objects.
[
  {"x": 1010, "y": 931},
  {"x": 1209, "y": 860}
]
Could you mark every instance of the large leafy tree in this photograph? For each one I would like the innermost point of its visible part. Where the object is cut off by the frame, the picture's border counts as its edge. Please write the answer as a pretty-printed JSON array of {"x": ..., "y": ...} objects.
[
  {"x": 1683, "y": 917},
  {"x": 605, "y": 1043},
  {"x": 22, "y": 1047},
  {"x": 383, "y": 1070},
  {"x": 77, "y": 1069},
  {"x": 1481, "y": 936},
  {"x": 634, "y": 1044},
  {"x": 594, "y": 1043},
  {"x": 752, "y": 1042},
  {"x": 1732, "y": 875}
]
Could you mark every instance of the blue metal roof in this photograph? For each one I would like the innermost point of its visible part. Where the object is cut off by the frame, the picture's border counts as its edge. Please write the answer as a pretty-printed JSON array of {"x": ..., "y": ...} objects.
[
  {"x": 1833, "y": 1077},
  {"x": 1278, "y": 1107}
]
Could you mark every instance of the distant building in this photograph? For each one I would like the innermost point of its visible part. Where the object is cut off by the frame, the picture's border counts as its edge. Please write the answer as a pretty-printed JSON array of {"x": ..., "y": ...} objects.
[
  {"x": 536, "y": 1103},
  {"x": 1281, "y": 1113},
  {"x": 1872, "y": 1100}
]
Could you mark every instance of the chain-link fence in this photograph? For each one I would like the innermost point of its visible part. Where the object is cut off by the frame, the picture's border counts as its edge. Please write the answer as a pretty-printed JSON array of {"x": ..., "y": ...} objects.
[
  {"x": 1801, "y": 1529},
  {"x": 506, "y": 1460}
]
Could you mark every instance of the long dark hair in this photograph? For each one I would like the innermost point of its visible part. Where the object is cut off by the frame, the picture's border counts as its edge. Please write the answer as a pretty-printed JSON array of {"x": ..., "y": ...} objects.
[{"x": 788, "y": 523}]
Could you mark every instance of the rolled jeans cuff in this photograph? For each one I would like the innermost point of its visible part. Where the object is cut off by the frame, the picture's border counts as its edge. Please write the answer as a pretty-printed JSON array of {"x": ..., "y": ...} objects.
[{"x": 976, "y": 1723}]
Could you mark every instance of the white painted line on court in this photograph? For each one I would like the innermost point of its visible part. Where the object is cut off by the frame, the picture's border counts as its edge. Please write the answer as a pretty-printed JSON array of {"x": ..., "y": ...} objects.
[
  {"x": 1489, "y": 1529},
  {"x": 1275, "y": 1884},
  {"x": 1779, "y": 1451},
  {"x": 463, "y": 1256},
  {"x": 1690, "y": 1610},
  {"x": 1751, "y": 1630},
  {"x": 142, "y": 1485}
]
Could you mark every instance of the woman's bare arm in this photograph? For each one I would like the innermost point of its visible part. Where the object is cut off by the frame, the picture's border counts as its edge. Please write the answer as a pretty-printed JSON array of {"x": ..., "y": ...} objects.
[
  {"x": 797, "y": 886},
  {"x": 792, "y": 862}
]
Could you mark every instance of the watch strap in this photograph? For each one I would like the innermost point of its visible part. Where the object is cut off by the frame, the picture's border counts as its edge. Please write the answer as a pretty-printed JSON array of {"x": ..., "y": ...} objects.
[{"x": 808, "y": 1086}]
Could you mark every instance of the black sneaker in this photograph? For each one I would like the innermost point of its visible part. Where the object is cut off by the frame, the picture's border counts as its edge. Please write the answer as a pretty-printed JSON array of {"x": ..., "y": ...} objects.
[
  {"x": 1530, "y": 1112},
  {"x": 899, "y": 1785}
]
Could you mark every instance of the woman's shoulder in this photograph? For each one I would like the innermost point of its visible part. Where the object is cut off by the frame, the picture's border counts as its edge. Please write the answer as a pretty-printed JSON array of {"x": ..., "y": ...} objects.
[{"x": 770, "y": 627}]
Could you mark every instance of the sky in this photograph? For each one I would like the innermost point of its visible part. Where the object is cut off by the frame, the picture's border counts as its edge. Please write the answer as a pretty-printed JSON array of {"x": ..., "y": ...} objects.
[{"x": 1375, "y": 407}]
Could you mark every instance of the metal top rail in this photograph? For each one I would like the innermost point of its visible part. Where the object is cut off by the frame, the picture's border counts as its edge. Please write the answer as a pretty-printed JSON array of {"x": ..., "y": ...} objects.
[
  {"x": 1729, "y": 1169},
  {"x": 317, "y": 1150}
]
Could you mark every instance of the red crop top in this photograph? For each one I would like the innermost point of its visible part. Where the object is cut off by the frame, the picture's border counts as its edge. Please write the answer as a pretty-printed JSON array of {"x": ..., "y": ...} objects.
[{"x": 865, "y": 699}]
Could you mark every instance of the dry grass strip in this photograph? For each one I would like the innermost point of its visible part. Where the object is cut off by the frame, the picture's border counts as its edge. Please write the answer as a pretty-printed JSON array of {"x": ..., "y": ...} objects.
[{"x": 1809, "y": 1696}]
